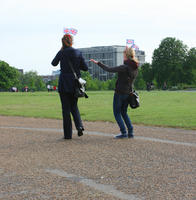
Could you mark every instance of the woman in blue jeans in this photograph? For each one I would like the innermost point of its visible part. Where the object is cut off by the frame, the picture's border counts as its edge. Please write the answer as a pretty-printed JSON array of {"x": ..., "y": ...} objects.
[{"x": 127, "y": 73}]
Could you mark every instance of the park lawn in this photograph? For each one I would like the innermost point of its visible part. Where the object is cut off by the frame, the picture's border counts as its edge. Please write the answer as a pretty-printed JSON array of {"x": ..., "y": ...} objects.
[{"x": 158, "y": 108}]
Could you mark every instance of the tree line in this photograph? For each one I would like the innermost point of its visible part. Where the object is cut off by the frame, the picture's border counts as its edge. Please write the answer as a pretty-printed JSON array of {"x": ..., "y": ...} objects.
[
  {"x": 173, "y": 65},
  {"x": 11, "y": 77}
]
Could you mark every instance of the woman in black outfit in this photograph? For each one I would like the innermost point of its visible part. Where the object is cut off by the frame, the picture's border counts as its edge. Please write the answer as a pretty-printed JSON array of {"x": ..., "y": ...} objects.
[
  {"x": 127, "y": 73},
  {"x": 66, "y": 84}
]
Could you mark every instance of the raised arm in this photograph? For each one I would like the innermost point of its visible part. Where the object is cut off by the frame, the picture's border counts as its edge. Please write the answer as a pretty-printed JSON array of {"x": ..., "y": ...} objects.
[
  {"x": 56, "y": 59},
  {"x": 121, "y": 68}
]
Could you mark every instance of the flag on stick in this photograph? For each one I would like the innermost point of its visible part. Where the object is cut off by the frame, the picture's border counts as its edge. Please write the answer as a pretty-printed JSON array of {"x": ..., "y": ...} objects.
[
  {"x": 130, "y": 41},
  {"x": 71, "y": 31}
]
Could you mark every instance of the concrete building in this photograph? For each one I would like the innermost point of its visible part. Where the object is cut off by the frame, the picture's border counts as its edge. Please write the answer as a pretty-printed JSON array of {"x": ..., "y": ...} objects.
[
  {"x": 109, "y": 55},
  {"x": 56, "y": 73},
  {"x": 47, "y": 78}
]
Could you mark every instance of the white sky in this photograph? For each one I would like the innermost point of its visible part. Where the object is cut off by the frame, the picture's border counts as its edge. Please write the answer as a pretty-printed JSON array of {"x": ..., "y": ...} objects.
[{"x": 31, "y": 30}]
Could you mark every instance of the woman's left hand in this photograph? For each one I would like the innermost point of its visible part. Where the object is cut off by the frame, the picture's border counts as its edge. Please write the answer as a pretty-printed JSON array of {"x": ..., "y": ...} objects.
[{"x": 94, "y": 61}]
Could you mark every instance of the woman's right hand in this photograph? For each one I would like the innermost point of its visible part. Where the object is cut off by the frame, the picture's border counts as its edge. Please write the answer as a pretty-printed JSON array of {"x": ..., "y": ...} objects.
[{"x": 94, "y": 61}]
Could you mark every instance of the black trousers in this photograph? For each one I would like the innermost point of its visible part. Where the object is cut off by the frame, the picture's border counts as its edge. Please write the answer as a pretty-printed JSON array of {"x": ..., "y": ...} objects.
[{"x": 69, "y": 106}]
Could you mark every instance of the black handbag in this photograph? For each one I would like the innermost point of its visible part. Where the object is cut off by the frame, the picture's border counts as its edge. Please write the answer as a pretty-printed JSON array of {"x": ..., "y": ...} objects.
[
  {"x": 79, "y": 90},
  {"x": 133, "y": 99}
]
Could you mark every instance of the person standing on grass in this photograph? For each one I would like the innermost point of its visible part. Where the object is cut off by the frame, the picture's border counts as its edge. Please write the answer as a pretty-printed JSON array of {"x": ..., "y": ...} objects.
[
  {"x": 124, "y": 85},
  {"x": 48, "y": 87},
  {"x": 66, "y": 85}
]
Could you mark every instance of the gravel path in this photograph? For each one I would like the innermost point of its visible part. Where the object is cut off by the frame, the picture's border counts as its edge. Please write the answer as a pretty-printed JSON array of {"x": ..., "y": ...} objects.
[{"x": 36, "y": 163}]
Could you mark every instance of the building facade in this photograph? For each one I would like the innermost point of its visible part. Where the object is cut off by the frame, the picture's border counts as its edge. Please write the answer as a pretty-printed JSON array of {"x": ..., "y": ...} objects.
[
  {"x": 108, "y": 55},
  {"x": 48, "y": 78},
  {"x": 56, "y": 73}
]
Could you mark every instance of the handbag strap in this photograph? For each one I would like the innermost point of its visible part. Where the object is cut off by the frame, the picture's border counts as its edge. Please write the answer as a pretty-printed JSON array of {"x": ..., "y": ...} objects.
[
  {"x": 72, "y": 69},
  {"x": 76, "y": 77}
]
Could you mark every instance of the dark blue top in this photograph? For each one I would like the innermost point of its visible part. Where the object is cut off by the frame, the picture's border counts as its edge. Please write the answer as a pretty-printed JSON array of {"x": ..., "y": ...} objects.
[{"x": 66, "y": 78}]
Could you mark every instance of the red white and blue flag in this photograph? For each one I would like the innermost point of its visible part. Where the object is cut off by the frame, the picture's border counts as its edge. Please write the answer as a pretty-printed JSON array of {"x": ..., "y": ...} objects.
[
  {"x": 72, "y": 31},
  {"x": 66, "y": 31},
  {"x": 132, "y": 44},
  {"x": 130, "y": 41},
  {"x": 136, "y": 47}
]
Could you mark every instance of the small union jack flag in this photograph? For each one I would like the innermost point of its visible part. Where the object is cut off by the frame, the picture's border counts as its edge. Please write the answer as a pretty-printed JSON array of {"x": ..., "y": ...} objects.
[
  {"x": 133, "y": 46},
  {"x": 73, "y": 31},
  {"x": 136, "y": 47},
  {"x": 66, "y": 30},
  {"x": 70, "y": 31},
  {"x": 130, "y": 41}
]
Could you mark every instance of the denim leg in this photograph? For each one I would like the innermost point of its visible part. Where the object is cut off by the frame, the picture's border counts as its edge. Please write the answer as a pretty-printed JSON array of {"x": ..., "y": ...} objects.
[
  {"x": 117, "y": 104},
  {"x": 126, "y": 117}
]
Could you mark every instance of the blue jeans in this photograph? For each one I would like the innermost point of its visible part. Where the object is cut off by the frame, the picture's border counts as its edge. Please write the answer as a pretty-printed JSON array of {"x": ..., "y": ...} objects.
[{"x": 120, "y": 106}]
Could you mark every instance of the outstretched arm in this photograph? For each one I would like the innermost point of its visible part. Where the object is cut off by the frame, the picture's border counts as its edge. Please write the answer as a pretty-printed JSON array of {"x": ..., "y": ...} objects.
[
  {"x": 94, "y": 61},
  {"x": 121, "y": 68}
]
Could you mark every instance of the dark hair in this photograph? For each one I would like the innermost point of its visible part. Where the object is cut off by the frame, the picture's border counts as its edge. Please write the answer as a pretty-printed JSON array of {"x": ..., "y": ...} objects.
[{"x": 67, "y": 40}]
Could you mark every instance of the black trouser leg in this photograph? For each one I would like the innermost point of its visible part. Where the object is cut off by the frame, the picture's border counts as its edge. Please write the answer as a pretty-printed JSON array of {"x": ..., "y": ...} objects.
[
  {"x": 76, "y": 114},
  {"x": 66, "y": 109}
]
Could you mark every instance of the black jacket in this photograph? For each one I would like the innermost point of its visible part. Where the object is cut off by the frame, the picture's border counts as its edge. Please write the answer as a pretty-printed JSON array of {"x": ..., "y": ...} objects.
[
  {"x": 126, "y": 75},
  {"x": 66, "y": 78}
]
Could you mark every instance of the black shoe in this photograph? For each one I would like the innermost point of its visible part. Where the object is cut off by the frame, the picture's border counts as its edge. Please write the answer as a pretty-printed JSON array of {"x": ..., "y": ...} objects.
[
  {"x": 121, "y": 136},
  {"x": 130, "y": 136},
  {"x": 67, "y": 138},
  {"x": 80, "y": 132}
]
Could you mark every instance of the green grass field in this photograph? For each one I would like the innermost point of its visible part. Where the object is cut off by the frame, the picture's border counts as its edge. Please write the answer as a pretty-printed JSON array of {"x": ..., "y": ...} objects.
[{"x": 159, "y": 108}]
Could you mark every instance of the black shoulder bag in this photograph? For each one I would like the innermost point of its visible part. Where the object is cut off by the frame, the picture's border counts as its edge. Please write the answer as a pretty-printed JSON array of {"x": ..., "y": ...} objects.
[
  {"x": 79, "y": 84},
  {"x": 133, "y": 99}
]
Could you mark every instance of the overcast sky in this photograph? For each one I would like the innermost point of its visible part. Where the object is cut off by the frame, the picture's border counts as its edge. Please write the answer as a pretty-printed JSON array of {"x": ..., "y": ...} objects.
[{"x": 31, "y": 30}]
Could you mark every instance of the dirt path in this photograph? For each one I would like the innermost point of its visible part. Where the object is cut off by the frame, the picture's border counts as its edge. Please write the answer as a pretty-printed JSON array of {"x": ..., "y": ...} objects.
[{"x": 36, "y": 163}]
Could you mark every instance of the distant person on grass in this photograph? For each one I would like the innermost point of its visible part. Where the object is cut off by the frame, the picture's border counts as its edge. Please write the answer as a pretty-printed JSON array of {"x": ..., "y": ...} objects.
[
  {"x": 127, "y": 73},
  {"x": 66, "y": 84}
]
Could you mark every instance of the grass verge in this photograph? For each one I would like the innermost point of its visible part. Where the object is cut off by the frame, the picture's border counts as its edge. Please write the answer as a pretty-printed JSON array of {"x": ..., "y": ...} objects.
[{"x": 158, "y": 108}]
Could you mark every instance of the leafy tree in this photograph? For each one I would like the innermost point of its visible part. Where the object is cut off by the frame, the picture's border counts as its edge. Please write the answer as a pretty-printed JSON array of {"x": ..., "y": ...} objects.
[
  {"x": 32, "y": 81},
  {"x": 168, "y": 60},
  {"x": 54, "y": 82},
  {"x": 9, "y": 76},
  {"x": 147, "y": 72},
  {"x": 139, "y": 83},
  {"x": 95, "y": 84},
  {"x": 111, "y": 83},
  {"x": 39, "y": 84},
  {"x": 89, "y": 81},
  {"x": 189, "y": 67}
]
